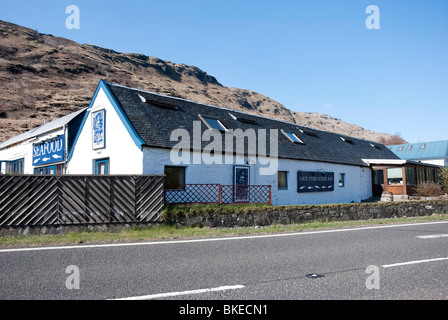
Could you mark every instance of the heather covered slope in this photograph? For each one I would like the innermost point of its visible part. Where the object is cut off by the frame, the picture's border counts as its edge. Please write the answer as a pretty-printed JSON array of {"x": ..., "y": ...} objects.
[{"x": 46, "y": 77}]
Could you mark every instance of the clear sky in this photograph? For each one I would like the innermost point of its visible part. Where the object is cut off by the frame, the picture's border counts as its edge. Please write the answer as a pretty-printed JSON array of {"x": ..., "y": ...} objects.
[{"x": 310, "y": 55}]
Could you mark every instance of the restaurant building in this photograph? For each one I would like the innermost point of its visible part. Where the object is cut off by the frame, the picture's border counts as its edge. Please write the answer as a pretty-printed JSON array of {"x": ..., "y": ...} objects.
[{"x": 130, "y": 131}]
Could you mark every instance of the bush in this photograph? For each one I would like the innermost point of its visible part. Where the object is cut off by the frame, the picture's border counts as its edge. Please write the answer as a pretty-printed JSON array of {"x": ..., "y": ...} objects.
[
  {"x": 443, "y": 174},
  {"x": 429, "y": 189}
]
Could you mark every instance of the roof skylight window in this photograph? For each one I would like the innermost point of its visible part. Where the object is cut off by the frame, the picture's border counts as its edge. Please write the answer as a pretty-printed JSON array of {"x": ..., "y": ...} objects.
[
  {"x": 409, "y": 147},
  {"x": 242, "y": 119},
  {"x": 157, "y": 103},
  {"x": 291, "y": 136},
  {"x": 246, "y": 120},
  {"x": 143, "y": 99},
  {"x": 308, "y": 133},
  {"x": 346, "y": 140},
  {"x": 423, "y": 146},
  {"x": 400, "y": 148},
  {"x": 213, "y": 124}
]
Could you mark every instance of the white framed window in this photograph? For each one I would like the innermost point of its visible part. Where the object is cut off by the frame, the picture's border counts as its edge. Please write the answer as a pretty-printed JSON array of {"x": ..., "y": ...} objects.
[
  {"x": 102, "y": 166},
  {"x": 283, "y": 180},
  {"x": 342, "y": 180}
]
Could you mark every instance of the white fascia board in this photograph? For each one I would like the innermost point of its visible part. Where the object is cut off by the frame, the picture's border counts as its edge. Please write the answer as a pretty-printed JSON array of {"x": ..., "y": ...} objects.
[{"x": 385, "y": 161}]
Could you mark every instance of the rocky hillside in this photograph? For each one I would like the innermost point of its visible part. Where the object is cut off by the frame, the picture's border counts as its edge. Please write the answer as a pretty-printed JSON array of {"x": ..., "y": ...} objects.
[{"x": 46, "y": 77}]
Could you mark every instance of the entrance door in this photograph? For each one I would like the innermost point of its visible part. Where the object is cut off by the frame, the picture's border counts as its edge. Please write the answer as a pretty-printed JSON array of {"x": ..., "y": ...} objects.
[{"x": 241, "y": 184}]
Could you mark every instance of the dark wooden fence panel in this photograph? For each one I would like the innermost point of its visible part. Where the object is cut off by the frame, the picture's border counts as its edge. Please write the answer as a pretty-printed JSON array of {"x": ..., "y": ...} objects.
[
  {"x": 33, "y": 200},
  {"x": 148, "y": 195}
]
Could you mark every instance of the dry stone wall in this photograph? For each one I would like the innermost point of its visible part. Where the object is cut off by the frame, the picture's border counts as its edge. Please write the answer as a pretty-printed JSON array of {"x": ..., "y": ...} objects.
[{"x": 266, "y": 216}]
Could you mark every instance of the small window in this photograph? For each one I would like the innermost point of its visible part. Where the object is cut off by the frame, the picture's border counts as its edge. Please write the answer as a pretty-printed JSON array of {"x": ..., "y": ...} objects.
[
  {"x": 283, "y": 180},
  {"x": 246, "y": 120},
  {"x": 409, "y": 147},
  {"x": 400, "y": 148},
  {"x": 157, "y": 103},
  {"x": 53, "y": 170},
  {"x": 213, "y": 123},
  {"x": 342, "y": 180},
  {"x": 174, "y": 177},
  {"x": 347, "y": 140},
  {"x": 242, "y": 119},
  {"x": 423, "y": 146},
  {"x": 102, "y": 166},
  {"x": 395, "y": 176},
  {"x": 291, "y": 136},
  {"x": 308, "y": 133},
  {"x": 14, "y": 167}
]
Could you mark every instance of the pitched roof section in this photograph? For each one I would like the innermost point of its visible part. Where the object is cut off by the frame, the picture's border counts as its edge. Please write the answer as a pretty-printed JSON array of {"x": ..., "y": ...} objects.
[
  {"x": 50, "y": 126},
  {"x": 155, "y": 116},
  {"x": 421, "y": 150}
]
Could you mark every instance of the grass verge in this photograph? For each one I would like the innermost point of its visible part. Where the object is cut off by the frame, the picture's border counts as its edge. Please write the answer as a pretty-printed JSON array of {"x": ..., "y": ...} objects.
[{"x": 167, "y": 232}]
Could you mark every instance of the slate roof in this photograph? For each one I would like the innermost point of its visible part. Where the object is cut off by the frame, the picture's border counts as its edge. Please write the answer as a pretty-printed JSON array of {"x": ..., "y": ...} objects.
[
  {"x": 421, "y": 150},
  {"x": 155, "y": 119},
  {"x": 55, "y": 124}
]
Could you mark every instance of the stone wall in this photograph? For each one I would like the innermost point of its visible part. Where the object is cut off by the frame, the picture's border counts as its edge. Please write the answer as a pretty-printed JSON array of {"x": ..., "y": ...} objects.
[
  {"x": 259, "y": 216},
  {"x": 265, "y": 216}
]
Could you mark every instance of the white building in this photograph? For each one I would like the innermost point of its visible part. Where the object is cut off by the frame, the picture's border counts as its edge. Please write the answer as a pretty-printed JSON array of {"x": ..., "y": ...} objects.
[
  {"x": 129, "y": 131},
  {"x": 433, "y": 152},
  {"x": 42, "y": 150}
]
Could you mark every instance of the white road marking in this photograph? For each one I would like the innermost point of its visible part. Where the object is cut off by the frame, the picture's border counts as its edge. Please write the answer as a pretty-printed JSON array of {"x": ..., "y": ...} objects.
[
  {"x": 299, "y": 233},
  {"x": 182, "y": 293},
  {"x": 413, "y": 262},
  {"x": 433, "y": 236}
]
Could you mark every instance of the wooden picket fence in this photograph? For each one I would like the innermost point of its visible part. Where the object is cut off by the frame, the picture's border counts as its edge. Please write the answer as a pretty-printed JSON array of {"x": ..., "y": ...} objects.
[{"x": 36, "y": 200}]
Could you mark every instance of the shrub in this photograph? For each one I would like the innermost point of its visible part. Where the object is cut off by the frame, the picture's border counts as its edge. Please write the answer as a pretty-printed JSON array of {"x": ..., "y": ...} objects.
[
  {"x": 429, "y": 189},
  {"x": 443, "y": 174}
]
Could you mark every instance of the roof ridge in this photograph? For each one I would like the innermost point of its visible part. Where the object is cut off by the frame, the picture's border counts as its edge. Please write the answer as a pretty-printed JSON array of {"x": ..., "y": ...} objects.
[
  {"x": 41, "y": 129},
  {"x": 242, "y": 112},
  {"x": 418, "y": 143}
]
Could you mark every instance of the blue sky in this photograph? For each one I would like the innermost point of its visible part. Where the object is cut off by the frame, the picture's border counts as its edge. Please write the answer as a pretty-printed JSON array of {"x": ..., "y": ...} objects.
[{"x": 310, "y": 55}]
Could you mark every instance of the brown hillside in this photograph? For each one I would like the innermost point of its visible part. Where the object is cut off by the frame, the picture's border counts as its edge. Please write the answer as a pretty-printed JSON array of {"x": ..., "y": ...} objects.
[{"x": 46, "y": 77}]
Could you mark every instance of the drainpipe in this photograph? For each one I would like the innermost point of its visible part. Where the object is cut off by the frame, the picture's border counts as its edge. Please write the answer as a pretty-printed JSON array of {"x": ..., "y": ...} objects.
[
  {"x": 362, "y": 184},
  {"x": 66, "y": 148}
]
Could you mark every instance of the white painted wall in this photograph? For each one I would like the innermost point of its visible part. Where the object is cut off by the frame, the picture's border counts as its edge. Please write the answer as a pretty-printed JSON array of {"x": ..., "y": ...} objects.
[
  {"x": 358, "y": 183},
  {"x": 124, "y": 155},
  {"x": 25, "y": 150}
]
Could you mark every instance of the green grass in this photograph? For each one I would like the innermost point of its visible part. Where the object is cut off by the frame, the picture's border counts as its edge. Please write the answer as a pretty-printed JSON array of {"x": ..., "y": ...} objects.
[{"x": 166, "y": 232}]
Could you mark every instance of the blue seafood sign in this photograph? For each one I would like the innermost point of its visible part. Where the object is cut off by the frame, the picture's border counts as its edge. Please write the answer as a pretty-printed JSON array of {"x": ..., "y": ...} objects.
[
  {"x": 98, "y": 129},
  {"x": 48, "y": 151}
]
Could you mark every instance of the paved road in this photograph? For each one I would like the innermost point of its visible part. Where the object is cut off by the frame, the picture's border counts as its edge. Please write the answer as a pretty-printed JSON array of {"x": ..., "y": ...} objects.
[{"x": 408, "y": 261}]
